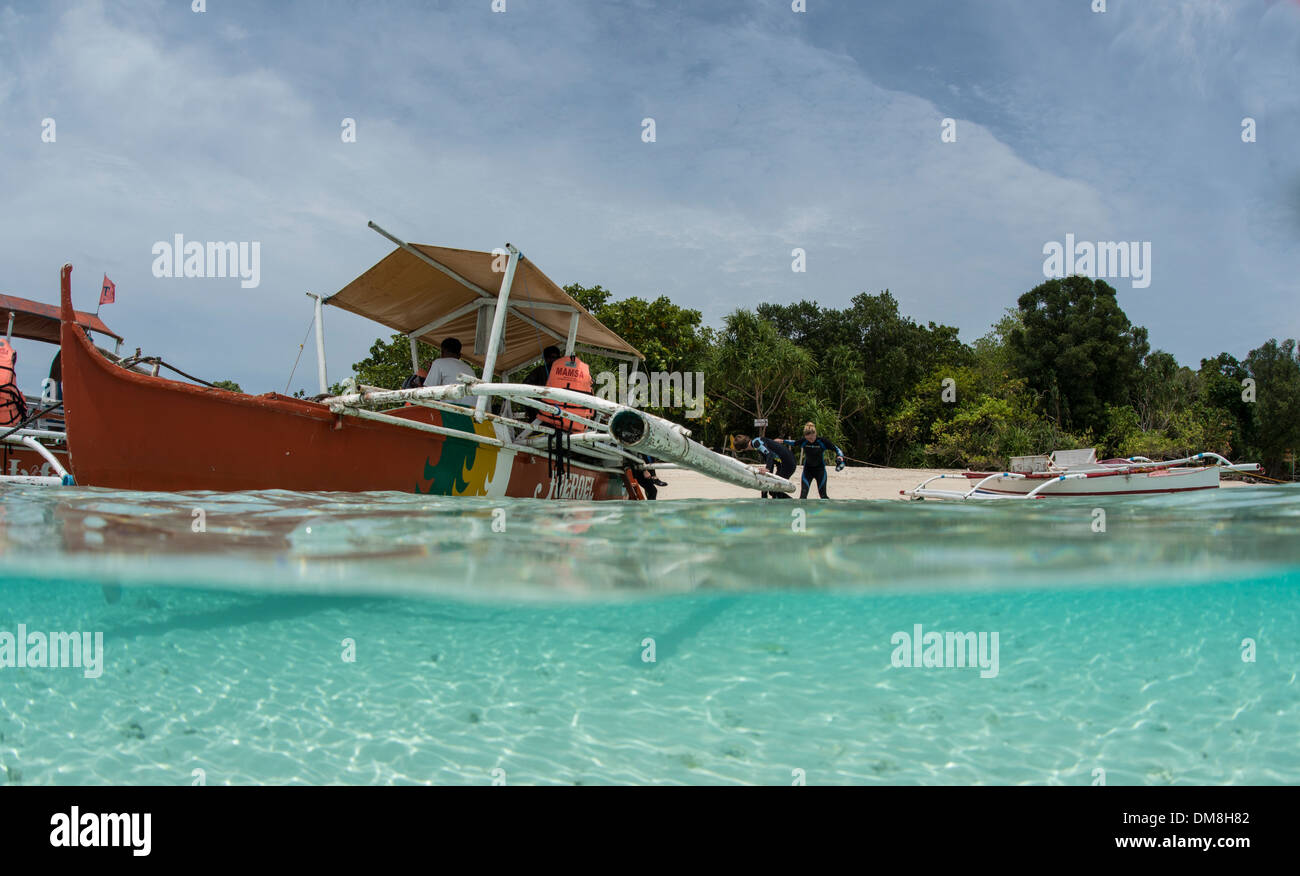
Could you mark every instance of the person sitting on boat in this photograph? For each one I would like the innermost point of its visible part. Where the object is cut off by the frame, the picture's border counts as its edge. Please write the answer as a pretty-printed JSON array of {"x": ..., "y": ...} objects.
[
  {"x": 447, "y": 370},
  {"x": 775, "y": 454},
  {"x": 648, "y": 479},
  {"x": 542, "y": 373},
  {"x": 417, "y": 379},
  {"x": 570, "y": 373},
  {"x": 814, "y": 463}
]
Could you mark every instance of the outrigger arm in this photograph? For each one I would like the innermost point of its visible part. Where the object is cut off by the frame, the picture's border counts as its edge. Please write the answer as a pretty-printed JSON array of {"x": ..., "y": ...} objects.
[{"x": 626, "y": 430}]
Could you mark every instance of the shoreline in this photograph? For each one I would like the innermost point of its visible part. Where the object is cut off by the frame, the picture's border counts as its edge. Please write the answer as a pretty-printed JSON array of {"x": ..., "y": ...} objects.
[{"x": 855, "y": 482}]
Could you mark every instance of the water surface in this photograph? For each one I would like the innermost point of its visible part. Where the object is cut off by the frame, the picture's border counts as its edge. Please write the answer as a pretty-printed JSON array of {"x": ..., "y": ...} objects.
[{"x": 1153, "y": 642}]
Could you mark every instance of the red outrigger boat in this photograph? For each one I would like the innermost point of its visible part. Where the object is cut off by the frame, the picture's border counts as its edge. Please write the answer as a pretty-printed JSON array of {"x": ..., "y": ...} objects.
[{"x": 439, "y": 440}]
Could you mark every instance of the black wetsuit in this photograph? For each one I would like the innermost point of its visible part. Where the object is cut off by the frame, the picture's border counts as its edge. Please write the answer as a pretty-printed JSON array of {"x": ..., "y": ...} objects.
[
  {"x": 778, "y": 457},
  {"x": 814, "y": 463},
  {"x": 646, "y": 478}
]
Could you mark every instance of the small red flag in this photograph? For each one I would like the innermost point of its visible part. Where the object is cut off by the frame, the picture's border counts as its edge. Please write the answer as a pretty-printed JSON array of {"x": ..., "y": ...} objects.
[{"x": 109, "y": 293}]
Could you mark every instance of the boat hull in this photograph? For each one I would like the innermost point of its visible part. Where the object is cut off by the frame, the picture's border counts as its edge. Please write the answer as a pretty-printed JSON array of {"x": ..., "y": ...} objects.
[
  {"x": 1171, "y": 480},
  {"x": 138, "y": 432}
]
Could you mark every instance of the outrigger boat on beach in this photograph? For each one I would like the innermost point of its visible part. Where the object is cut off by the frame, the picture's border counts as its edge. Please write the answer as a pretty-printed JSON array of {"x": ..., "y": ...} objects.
[
  {"x": 1066, "y": 473},
  {"x": 144, "y": 432}
]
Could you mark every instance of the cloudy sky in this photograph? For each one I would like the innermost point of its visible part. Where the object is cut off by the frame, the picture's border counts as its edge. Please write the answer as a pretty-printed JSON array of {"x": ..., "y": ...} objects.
[{"x": 774, "y": 130}]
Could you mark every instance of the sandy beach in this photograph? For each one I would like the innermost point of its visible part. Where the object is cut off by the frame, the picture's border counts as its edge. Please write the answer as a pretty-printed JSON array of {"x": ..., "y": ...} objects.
[{"x": 855, "y": 482}]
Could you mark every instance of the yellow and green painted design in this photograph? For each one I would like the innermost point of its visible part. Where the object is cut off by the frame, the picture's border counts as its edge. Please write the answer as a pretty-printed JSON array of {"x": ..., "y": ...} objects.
[{"x": 462, "y": 468}]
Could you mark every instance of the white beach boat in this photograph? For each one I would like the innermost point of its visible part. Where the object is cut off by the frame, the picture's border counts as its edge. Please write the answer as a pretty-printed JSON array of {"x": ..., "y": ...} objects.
[{"x": 1065, "y": 473}]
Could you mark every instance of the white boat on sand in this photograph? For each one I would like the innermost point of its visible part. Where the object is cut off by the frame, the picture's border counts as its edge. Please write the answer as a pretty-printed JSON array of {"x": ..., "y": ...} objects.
[{"x": 1065, "y": 473}]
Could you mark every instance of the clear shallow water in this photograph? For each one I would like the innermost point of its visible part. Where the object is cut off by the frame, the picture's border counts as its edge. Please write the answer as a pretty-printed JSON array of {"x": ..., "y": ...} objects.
[{"x": 524, "y": 650}]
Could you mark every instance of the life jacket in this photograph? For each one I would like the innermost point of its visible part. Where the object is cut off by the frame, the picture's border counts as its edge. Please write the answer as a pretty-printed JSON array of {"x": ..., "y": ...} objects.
[
  {"x": 569, "y": 373},
  {"x": 13, "y": 407}
]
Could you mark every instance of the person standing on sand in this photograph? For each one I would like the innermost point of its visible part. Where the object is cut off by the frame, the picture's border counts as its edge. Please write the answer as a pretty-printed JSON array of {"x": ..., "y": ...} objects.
[
  {"x": 775, "y": 454},
  {"x": 814, "y": 462}
]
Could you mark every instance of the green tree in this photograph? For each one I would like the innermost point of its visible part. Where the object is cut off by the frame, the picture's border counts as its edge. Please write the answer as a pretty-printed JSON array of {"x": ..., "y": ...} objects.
[
  {"x": 592, "y": 298},
  {"x": 868, "y": 356},
  {"x": 1276, "y": 371},
  {"x": 228, "y": 385},
  {"x": 1077, "y": 350},
  {"x": 389, "y": 362},
  {"x": 753, "y": 371},
  {"x": 670, "y": 337},
  {"x": 1222, "y": 396}
]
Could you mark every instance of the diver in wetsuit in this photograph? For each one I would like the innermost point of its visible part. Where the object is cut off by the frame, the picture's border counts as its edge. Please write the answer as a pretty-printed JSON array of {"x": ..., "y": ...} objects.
[
  {"x": 814, "y": 462},
  {"x": 774, "y": 453},
  {"x": 648, "y": 479}
]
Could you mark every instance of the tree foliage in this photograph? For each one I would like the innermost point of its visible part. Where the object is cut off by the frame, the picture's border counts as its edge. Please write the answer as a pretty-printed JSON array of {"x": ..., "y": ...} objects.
[
  {"x": 1064, "y": 368},
  {"x": 1076, "y": 349},
  {"x": 389, "y": 362}
]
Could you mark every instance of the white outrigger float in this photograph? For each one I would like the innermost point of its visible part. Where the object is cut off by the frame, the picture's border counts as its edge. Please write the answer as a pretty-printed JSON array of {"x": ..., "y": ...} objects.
[{"x": 1066, "y": 473}]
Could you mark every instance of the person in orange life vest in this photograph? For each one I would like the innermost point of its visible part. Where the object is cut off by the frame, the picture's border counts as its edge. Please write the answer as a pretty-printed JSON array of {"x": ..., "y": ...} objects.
[
  {"x": 568, "y": 373},
  {"x": 13, "y": 407},
  {"x": 542, "y": 373}
]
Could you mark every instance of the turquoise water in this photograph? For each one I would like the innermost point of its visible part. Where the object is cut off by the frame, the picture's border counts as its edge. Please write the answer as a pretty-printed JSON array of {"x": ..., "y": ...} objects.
[{"x": 524, "y": 655}]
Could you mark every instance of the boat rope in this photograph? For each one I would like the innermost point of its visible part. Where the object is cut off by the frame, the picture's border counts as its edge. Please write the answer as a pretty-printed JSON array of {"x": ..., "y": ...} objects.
[
  {"x": 31, "y": 418},
  {"x": 310, "y": 323},
  {"x": 1247, "y": 475},
  {"x": 864, "y": 462},
  {"x": 851, "y": 459},
  {"x": 130, "y": 362},
  {"x": 559, "y": 449},
  {"x": 11, "y": 396},
  {"x": 173, "y": 368}
]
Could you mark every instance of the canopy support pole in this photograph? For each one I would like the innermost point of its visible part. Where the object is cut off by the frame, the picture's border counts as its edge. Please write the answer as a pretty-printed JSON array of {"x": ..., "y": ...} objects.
[
  {"x": 320, "y": 344},
  {"x": 432, "y": 262},
  {"x": 415, "y": 355},
  {"x": 498, "y": 328},
  {"x": 573, "y": 334},
  {"x": 9, "y": 332}
]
